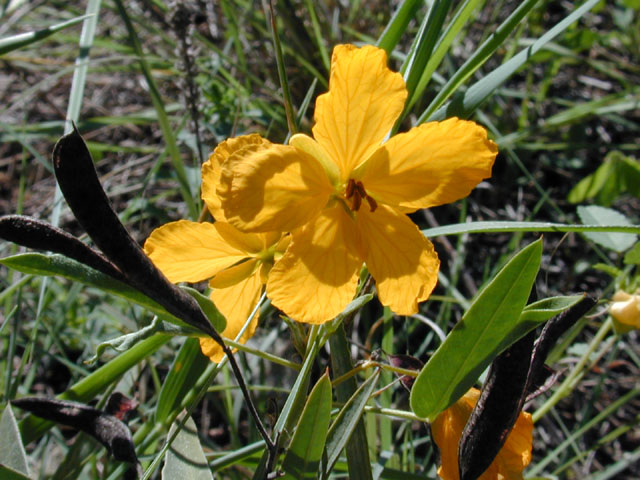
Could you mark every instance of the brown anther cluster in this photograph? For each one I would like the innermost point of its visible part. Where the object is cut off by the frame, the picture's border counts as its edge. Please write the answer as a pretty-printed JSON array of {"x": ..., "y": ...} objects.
[{"x": 356, "y": 192}]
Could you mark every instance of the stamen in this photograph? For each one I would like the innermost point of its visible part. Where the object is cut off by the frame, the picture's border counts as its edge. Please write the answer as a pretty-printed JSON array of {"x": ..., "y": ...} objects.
[
  {"x": 372, "y": 203},
  {"x": 356, "y": 192},
  {"x": 350, "y": 188},
  {"x": 356, "y": 202}
]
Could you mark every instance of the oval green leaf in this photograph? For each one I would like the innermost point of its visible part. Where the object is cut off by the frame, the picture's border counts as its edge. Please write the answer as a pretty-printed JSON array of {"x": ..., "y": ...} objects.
[
  {"x": 595, "y": 215},
  {"x": 490, "y": 325},
  {"x": 544, "y": 309},
  {"x": 185, "y": 458},
  {"x": 12, "y": 454},
  {"x": 303, "y": 456},
  {"x": 347, "y": 420}
]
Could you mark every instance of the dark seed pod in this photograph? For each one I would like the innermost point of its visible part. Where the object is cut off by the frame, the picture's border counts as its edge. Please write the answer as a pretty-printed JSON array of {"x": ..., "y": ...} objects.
[
  {"x": 107, "y": 429},
  {"x": 32, "y": 233},
  {"x": 497, "y": 409},
  {"x": 81, "y": 188},
  {"x": 550, "y": 334},
  {"x": 514, "y": 373}
]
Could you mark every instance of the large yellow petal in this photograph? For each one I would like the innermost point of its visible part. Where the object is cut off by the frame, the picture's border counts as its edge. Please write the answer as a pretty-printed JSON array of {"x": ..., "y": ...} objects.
[
  {"x": 446, "y": 430},
  {"x": 400, "y": 258},
  {"x": 236, "y": 303},
  {"x": 318, "y": 274},
  {"x": 272, "y": 188},
  {"x": 191, "y": 252},
  {"x": 432, "y": 164},
  {"x": 364, "y": 100},
  {"x": 515, "y": 454},
  {"x": 212, "y": 168}
]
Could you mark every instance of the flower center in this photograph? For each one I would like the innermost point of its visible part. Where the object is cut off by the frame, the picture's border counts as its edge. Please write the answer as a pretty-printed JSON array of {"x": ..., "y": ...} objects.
[{"x": 355, "y": 192}]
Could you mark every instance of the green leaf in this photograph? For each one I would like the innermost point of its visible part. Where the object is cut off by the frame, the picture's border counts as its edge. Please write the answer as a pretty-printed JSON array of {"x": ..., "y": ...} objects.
[
  {"x": 593, "y": 184},
  {"x": 347, "y": 419},
  {"x": 12, "y": 454},
  {"x": 15, "y": 42},
  {"x": 7, "y": 473},
  {"x": 491, "y": 324},
  {"x": 424, "y": 44},
  {"x": 125, "y": 342},
  {"x": 546, "y": 308},
  {"x": 213, "y": 314},
  {"x": 618, "y": 242},
  {"x": 49, "y": 265},
  {"x": 632, "y": 257},
  {"x": 618, "y": 174},
  {"x": 464, "y": 13},
  {"x": 480, "y": 55},
  {"x": 609, "y": 269},
  {"x": 398, "y": 24},
  {"x": 185, "y": 371},
  {"x": 303, "y": 456},
  {"x": 357, "y": 450},
  {"x": 185, "y": 458}
]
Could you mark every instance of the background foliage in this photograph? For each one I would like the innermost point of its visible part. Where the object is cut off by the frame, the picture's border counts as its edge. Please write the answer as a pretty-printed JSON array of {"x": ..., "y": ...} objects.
[{"x": 165, "y": 84}]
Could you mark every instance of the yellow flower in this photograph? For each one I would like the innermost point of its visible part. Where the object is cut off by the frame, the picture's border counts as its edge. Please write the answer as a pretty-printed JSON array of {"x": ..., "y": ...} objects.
[
  {"x": 236, "y": 264},
  {"x": 344, "y": 194},
  {"x": 514, "y": 456},
  {"x": 625, "y": 311}
]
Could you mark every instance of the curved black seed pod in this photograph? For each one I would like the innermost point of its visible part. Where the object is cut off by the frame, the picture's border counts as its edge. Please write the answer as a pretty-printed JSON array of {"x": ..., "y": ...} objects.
[
  {"x": 107, "y": 429},
  {"x": 550, "y": 334},
  {"x": 81, "y": 188},
  {"x": 513, "y": 373},
  {"x": 32, "y": 233},
  {"x": 497, "y": 409}
]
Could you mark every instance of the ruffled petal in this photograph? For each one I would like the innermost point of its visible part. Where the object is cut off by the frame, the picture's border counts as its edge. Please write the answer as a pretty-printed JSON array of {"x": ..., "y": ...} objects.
[
  {"x": 316, "y": 150},
  {"x": 212, "y": 168},
  {"x": 236, "y": 303},
  {"x": 272, "y": 188},
  {"x": 364, "y": 100},
  {"x": 191, "y": 252},
  {"x": 432, "y": 164},
  {"x": 318, "y": 274},
  {"x": 402, "y": 261}
]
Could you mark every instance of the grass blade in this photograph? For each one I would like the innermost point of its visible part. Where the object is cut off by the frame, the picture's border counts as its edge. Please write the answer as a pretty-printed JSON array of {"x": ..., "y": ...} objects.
[
  {"x": 466, "y": 103},
  {"x": 15, "y": 42},
  {"x": 398, "y": 25},
  {"x": 303, "y": 456},
  {"x": 505, "y": 226}
]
